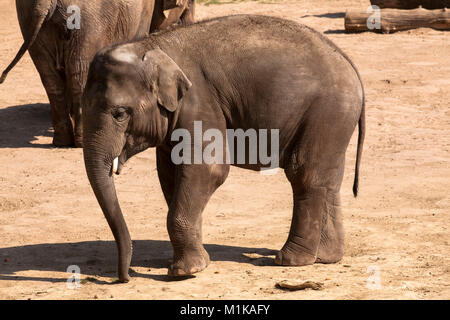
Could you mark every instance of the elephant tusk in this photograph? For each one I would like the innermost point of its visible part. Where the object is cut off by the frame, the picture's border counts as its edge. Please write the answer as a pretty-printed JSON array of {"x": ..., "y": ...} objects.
[{"x": 115, "y": 165}]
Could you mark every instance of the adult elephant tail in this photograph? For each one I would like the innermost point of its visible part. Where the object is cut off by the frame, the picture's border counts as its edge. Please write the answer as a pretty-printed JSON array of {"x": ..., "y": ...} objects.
[
  {"x": 361, "y": 134},
  {"x": 40, "y": 11}
]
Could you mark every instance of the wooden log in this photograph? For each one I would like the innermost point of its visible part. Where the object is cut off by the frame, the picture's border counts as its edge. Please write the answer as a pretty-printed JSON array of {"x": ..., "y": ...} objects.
[
  {"x": 393, "y": 20},
  {"x": 411, "y": 4}
]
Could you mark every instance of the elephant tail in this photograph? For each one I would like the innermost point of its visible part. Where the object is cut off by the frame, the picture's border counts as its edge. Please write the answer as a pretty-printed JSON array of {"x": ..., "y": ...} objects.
[
  {"x": 40, "y": 13},
  {"x": 361, "y": 134}
]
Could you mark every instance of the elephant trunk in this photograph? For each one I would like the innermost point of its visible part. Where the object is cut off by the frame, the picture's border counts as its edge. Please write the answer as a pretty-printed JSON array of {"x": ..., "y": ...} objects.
[{"x": 99, "y": 171}]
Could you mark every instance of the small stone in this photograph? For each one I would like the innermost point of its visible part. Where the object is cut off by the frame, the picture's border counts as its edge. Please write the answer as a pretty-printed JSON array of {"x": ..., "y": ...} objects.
[{"x": 253, "y": 256}]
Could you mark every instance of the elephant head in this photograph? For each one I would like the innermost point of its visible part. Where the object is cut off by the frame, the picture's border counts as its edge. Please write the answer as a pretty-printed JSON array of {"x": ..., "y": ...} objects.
[{"x": 129, "y": 95}]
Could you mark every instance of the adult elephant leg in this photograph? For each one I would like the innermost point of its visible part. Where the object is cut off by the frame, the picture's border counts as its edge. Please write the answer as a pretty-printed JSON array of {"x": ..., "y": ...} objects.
[
  {"x": 75, "y": 114},
  {"x": 76, "y": 74},
  {"x": 194, "y": 185},
  {"x": 158, "y": 17},
  {"x": 55, "y": 87},
  {"x": 184, "y": 14},
  {"x": 188, "y": 16}
]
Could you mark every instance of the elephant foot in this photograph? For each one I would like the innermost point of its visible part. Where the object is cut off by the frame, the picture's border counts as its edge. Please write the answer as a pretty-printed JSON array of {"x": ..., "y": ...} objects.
[
  {"x": 331, "y": 247},
  {"x": 329, "y": 255},
  {"x": 61, "y": 140},
  {"x": 189, "y": 263},
  {"x": 78, "y": 141},
  {"x": 124, "y": 278},
  {"x": 294, "y": 254}
]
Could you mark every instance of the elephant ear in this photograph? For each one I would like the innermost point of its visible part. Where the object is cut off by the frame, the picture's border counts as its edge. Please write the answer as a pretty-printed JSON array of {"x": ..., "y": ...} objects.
[{"x": 169, "y": 81}]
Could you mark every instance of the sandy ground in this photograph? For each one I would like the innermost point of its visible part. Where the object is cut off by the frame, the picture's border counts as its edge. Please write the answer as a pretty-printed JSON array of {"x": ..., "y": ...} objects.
[{"x": 398, "y": 228}]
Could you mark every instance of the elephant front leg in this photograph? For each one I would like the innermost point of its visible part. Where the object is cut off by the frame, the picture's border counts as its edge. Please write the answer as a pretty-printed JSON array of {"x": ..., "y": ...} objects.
[{"x": 194, "y": 185}]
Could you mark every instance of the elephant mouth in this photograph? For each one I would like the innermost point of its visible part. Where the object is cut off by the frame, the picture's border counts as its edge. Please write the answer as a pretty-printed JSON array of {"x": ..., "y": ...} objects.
[{"x": 127, "y": 152}]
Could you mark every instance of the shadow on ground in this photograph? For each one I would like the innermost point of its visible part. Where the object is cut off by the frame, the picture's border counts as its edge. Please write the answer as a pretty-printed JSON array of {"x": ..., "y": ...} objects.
[
  {"x": 21, "y": 125},
  {"x": 99, "y": 258},
  {"x": 331, "y": 15},
  {"x": 338, "y": 31}
]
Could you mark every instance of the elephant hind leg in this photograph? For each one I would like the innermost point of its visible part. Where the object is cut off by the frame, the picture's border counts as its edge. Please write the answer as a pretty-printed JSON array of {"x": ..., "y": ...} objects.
[
  {"x": 76, "y": 74},
  {"x": 76, "y": 115},
  {"x": 331, "y": 247},
  {"x": 304, "y": 236},
  {"x": 317, "y": 233},
  {"x": 55, "y": 86},
  {"x": 315, "y": 171}
]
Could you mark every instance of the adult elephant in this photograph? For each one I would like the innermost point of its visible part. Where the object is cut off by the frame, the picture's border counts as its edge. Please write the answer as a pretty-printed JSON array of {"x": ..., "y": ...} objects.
[
  {"x": 62, "y": 37},
  {"x": 239, "y": 72},
  {"x": 179, "y": 12}
]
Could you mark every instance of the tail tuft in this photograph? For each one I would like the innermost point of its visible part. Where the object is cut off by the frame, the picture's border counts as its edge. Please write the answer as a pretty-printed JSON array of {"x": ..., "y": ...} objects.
[{"x": 355, "y": 187}]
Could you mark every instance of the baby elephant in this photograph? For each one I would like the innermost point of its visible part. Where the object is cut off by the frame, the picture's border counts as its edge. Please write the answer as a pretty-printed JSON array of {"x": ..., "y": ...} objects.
[{"x": 235, "y": 76}]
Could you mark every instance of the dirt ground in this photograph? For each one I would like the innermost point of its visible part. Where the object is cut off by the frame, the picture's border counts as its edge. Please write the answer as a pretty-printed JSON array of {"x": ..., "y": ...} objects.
[{"x": 397, "y": 229}]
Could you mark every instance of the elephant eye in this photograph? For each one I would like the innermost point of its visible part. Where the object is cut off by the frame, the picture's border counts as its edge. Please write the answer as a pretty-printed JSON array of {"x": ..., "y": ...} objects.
[{"x": 120, "y": 114}]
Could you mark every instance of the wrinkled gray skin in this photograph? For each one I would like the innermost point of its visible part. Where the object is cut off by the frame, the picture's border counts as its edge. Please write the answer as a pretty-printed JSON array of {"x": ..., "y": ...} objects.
[
  {"x": 62, "y": 56},
  {"x": 231, "y": 72}
]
